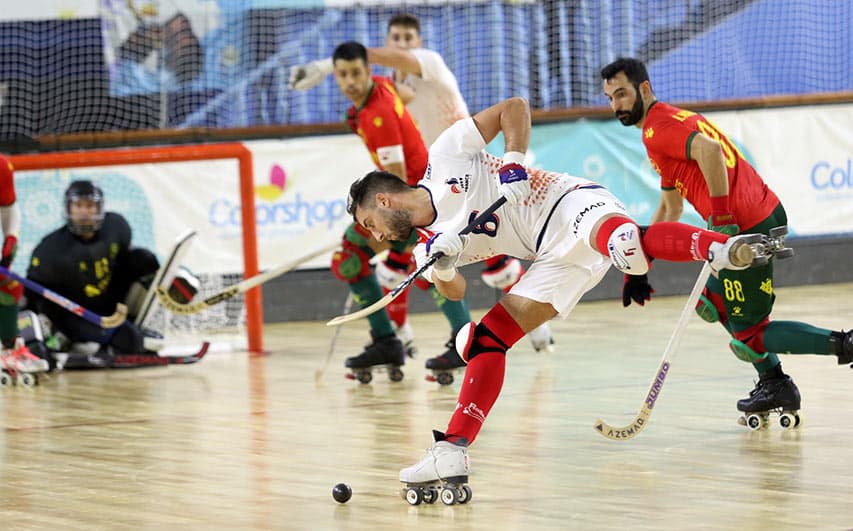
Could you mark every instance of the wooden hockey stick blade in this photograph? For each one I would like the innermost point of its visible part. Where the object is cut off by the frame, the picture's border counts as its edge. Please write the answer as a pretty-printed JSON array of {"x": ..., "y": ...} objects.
[
  {"x": 620, "y": 433},
  {"x": 386, "y": 300},
  {"x": 241, "y": 287},
  {"x": 116, "y": 319}
]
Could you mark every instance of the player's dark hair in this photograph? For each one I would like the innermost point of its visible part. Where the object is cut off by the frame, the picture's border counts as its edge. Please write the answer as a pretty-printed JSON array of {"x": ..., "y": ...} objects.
[
  {"x": 634, "y": 69},
  {"x": 363, "y": 191},
  {"x": 350, "y": 51},
  {"x": 77, "y": 191},
  {"x": 406, "y": 20}
]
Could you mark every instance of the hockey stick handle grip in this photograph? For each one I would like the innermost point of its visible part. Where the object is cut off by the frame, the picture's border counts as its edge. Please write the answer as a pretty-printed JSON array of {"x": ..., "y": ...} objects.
[
  {"x": 59, "y": 300},
  {"x": 481, "y": 217}
]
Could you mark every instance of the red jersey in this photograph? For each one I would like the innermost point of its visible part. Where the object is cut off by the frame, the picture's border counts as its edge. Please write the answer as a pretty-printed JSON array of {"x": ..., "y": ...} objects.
[
  {"x": 667, "y": 134},
  {"x": 383, "y": 121},
  {"x": 7, "y": 182}
]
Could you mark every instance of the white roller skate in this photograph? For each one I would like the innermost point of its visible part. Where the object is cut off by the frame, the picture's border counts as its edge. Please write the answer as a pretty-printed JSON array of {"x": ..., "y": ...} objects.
[
  {"x": 749, "y": 250},
  {"x": 442, "y": 473},
  {"x": 541, "y": 338},
  {"x": 19, "y": 365}
]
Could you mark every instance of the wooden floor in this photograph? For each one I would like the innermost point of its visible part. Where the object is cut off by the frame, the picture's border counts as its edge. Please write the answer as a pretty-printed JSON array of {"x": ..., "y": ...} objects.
[{"x": 238, "y": 442}]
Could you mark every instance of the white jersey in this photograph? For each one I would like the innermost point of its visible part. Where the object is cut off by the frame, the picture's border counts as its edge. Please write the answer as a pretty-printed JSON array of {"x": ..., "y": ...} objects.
[
  {"x": 553, "y": 227},
  {"x": 438, "y": 103},
  {"x": 463, "y": 181}
]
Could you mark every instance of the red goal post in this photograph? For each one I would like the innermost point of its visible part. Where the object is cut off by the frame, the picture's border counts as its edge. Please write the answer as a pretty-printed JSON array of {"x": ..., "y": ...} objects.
[{"x": 159, "y": 154}]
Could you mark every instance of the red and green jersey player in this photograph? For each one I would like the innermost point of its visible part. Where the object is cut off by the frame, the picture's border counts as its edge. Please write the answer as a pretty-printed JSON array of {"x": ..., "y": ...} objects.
[{"x": 700, "y": 164}]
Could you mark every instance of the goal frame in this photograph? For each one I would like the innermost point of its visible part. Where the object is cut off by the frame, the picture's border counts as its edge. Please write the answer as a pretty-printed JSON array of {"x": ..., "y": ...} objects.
[{"x": 183, "y": 153}]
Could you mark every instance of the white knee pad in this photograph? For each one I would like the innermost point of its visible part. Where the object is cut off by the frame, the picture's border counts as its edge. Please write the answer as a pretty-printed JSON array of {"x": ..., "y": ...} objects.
[
  {"x": 626, "y": 250},
  {"x": 504, "y": 276},
  {"x": 464, "y": 338}
]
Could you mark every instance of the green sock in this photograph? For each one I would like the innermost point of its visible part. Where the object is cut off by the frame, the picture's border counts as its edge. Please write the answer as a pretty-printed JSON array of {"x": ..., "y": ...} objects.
[
  {"x": 366, "y": 292},
  {"x": 456, "y": 312},
  {"x": 8, "y": 324},
  {"x": 794, "y": 337}
]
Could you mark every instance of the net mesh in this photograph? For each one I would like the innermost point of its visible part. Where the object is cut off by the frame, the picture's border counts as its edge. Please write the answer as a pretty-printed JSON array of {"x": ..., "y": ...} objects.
[{"x": 155, "y": 64}]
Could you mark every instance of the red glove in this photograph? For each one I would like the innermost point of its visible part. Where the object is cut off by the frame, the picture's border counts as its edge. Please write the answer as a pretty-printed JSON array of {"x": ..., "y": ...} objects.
[{"x": 10, "y": 247}]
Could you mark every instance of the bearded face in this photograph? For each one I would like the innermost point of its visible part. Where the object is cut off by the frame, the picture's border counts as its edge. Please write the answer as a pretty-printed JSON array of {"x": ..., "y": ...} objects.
[
  {"x": 399, "y": 224},
  {"x": 636, "y": 113}
]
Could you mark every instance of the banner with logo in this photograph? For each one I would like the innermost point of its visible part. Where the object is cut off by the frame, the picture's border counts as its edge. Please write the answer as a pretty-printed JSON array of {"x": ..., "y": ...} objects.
[
  {"x": 804, "y": 154},
  {"x": 300, "y": 202}
]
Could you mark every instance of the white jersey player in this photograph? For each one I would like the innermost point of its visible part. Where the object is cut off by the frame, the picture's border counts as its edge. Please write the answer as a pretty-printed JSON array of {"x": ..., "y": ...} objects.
[
  {"x": 571, "y": 228},
  {"x": 433, "y": 98}
]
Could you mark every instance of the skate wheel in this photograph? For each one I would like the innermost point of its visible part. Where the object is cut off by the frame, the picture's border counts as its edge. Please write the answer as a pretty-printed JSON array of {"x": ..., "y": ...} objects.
[
  {"x": 6, "y": 379},
  {"x": 28, "y": 380},
  {"x": 754, "y": 422},
  {"x": 449, "y": 496},
  {"x": 430, "y": 495},
  {"x": 789, "y": 421},
  {"x": 444, "y": 378},
  {"x": 781, "y": 254},
  {"x": 414, "y": 496},
  {"x": 395, "y": 374},
  {"x": 777, "y": 232},
  {"x": 760, "y": 260},
  {"x": 364, "y": 377},
  {"x": 464, "y": 494}
]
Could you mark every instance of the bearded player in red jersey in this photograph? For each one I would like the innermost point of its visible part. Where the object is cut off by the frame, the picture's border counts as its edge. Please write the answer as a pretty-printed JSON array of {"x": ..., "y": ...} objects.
[
  {"x": 699, "y": 163},
  {"x": 379, "y": 116}
]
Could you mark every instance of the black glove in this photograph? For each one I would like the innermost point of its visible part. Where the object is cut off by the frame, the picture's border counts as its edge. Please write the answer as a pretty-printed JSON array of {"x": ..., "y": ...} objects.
[{"x": 636, "y": 288}]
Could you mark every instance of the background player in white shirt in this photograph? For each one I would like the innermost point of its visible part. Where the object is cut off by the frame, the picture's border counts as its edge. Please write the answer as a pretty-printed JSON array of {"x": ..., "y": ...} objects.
[
  {"x": 572, "y": 229},
  {"x": 433, "y": 98}
]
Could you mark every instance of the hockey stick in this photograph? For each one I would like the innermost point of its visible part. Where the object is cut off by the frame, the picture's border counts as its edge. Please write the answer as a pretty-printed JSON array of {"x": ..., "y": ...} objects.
[
  {"x": 347, "y": 307},
  {"x": 103, "y": 321},
  {"x": 399, "y": 288},
  {"x": 236, "y": 289},
  {"x": 132, "y": 361},
  {"x": 636, "y": 426},
  {"x": 173, "y": 260}
]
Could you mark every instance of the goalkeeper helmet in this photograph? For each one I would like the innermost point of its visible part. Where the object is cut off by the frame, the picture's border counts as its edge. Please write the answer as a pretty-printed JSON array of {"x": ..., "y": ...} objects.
[{"x": 84, "y": 223}]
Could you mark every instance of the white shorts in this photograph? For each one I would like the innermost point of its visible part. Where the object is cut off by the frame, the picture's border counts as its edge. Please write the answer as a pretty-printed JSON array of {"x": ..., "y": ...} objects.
[{"x": 567, "y": 264}]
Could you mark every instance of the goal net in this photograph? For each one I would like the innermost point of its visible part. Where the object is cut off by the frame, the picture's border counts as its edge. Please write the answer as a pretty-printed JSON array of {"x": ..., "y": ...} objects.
[
  {"x": 136, "y": 186},
  {"x": 110, "y": 65}
]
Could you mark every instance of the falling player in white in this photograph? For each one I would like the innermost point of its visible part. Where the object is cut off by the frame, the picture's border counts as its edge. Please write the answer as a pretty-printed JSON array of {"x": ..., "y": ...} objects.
[
  {"x": 433, "y": 98},
  {"x": 572, "y": 229}
]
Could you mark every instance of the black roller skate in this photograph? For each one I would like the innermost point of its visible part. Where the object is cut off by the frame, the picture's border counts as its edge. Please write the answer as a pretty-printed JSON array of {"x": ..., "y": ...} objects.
[
  {"x": 387, "y": 352},
  {"x": 841, "y": 344},
  {"x": 443, "y": 366},
  {"x": 773, "y": 395}
]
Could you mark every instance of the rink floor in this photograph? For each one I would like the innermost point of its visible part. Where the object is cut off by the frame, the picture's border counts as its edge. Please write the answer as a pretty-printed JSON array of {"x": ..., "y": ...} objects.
[{"x": 254, "y": 442}]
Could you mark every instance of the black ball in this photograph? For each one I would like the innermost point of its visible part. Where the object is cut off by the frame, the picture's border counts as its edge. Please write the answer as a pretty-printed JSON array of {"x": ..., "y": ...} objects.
[{"x": 342, "y": 493}]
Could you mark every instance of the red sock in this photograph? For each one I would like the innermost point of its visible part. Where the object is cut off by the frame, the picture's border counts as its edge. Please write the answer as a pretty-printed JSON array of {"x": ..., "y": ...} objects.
[
  {"x": 679, "y": 242},
  {"x": 484, "y": 376},
  {"x": 399, "y": 307},
  {"x": 606, "y": 230}
]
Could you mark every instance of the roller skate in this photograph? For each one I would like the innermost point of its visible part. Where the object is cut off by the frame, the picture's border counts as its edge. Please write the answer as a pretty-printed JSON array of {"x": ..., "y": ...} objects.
[
  {"x": 749, "y": 250},
  {"x": 541, "y": 338},
  {"x": 444, "y": 366},
  {"x": 386, "y": 352},
  {"x": 441, "y": 474},
  {"x": 774, "y": 395},
  {"x": 841, "y": 344},
  {"x": 19, "y": 366}
]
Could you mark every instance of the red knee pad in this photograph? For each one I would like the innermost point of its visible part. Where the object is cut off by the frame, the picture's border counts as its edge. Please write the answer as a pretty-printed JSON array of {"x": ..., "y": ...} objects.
[
  {"x": 753, "y": 337},
  {"x": 13, "y": 288}
]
